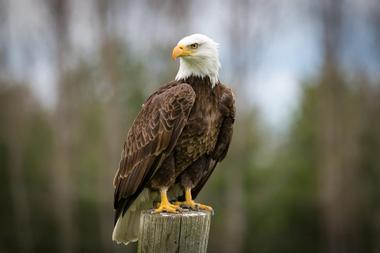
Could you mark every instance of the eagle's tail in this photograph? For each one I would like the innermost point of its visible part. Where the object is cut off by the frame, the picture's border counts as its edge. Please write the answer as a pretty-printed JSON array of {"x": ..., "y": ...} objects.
[{"x": 126, "y": 229}]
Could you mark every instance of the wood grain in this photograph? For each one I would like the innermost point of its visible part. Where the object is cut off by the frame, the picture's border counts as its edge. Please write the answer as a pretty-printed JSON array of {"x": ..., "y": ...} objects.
[{"x": 185, "y": 232}]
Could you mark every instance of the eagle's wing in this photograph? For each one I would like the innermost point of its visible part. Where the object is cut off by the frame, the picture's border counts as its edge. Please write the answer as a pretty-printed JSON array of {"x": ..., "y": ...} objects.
[
  {"x": 227, "y": 108},
  {"x": 151, "y": 138}
]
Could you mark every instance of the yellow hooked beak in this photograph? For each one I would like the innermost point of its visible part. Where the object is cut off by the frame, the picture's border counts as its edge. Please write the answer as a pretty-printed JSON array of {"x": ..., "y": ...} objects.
[{"x": 180, "y": 51}]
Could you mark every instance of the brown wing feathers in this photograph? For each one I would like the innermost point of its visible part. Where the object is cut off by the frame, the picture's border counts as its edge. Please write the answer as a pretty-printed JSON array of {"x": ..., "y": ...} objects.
[
  {"x": 227, "y": 108},
  {"x": 152, "y": 135}
]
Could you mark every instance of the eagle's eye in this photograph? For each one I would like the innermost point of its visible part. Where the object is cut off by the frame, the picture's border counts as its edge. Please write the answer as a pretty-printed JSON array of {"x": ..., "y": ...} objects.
[{"x": 194, "y": 46}]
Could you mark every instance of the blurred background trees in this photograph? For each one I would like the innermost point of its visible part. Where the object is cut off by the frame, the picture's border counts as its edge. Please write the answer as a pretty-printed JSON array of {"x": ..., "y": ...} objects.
[{"x": 302, "y": 177}]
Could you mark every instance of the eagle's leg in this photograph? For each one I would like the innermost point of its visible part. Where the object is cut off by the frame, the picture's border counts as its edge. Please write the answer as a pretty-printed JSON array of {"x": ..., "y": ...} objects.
[
  {"x": 165, "y": 205},
  {"x": 190, "y": 203}
]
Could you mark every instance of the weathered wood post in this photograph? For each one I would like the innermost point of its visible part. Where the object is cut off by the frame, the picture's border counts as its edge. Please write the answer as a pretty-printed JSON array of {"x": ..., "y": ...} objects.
[{"x": 185, "y": 232}]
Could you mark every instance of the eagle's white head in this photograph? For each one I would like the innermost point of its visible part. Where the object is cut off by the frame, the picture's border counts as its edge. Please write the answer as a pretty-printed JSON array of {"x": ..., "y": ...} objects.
[{"x": 198, "y": 57}]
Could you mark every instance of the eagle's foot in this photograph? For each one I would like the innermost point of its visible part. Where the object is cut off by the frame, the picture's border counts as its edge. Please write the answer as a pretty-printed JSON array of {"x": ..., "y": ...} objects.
[
  {"x": 194, "y": 206},
  {"x": 191, "y": 204},
  {"x": 167, "y": 207},
  {"x": 204, "y": 207}
]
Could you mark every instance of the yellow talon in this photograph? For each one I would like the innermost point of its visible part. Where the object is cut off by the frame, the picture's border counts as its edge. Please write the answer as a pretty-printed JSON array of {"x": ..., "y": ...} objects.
[
  {"x": 165, "y": 208},
  {"x": 165, "y": 205},
  {"x": 190, "y": 203}
]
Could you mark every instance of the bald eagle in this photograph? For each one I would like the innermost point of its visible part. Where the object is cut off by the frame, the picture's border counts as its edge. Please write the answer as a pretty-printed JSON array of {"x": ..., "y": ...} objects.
[{"x": 182, "y": 131}]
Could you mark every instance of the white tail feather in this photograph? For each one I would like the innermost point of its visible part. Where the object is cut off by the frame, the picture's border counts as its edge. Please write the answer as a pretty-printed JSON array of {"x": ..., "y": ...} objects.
[
  {"x": 127, "y": 226},
  {"x": 126, "y": 229}
]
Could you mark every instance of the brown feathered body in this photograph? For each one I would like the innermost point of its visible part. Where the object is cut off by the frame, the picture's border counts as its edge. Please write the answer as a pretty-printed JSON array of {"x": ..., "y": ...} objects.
[{"x": 182, "y": 131}]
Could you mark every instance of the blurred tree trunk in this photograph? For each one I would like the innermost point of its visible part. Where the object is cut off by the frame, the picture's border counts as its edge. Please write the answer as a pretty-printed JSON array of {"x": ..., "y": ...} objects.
[
  {"x": 14, "y": 137},
  {"x": 61, "y": 176},
  {"x": 339, "y": 131},
  {"x": 375, "y": 17},
  {"x": 21, "y": 206},
  {"x": 235, "y": 211},
  {"x": 376, "y": 126},
  {"x": 373, "y": 152},
  {"x": 109, "y": 59}
]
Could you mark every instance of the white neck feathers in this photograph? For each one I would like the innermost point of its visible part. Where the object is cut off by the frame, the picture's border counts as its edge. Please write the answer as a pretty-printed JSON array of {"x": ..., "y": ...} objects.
[{"x": 201, "y": 67}]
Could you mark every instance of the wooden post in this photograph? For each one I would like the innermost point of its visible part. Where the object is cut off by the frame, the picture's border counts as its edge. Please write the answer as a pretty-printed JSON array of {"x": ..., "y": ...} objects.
[{"x": 185, "y": 232}]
